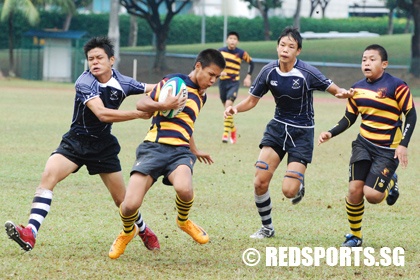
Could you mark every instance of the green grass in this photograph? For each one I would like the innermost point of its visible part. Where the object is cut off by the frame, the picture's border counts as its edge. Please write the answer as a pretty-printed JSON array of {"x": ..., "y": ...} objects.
[
  {"x": 326, "y": 50},
  {"x": 74, "y": 240}
]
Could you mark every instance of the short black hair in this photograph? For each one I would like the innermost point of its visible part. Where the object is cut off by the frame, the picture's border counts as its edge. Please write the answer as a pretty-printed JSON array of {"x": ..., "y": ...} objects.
[
  {"x": 209, "y": 56},
  {"x": 233, "y": 33},
  {"x": 382, "y": 52},
  {"x": 100, "y": 42},
  {"x": 293, "y": 32}
]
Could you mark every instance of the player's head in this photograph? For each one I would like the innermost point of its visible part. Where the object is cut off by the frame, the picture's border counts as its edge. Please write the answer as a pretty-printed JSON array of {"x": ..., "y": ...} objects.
[
  {"x": 233, "y": 33},
  {"x": 102, "y": 43},
  {"x": 381, "y": 50},
  {"x": 374, "y": 62},
  {"x": 292, "y": 33},
  {"x": 289, "y": 45},
  {"x": 207, "y": 68},
  {"x": 232, "y": 40},
  {"x": 99, "y": 53},
  {"x": 211, "y": 56}
]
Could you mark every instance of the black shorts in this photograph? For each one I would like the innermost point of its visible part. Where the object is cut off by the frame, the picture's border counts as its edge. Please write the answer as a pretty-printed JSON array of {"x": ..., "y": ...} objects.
[
  {"x": 100, "y": 155},
  {"x": 297, "y": 142},
  {"x": 157, "y": 159},
  {"x": 372, "y": 164},
  {"x": 228, "y": 90}
]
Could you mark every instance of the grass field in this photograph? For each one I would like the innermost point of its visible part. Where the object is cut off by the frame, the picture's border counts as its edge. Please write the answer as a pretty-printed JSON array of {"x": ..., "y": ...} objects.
[
  {"x": 74, "y": 240},
  {"x": 326, "y": 50}
]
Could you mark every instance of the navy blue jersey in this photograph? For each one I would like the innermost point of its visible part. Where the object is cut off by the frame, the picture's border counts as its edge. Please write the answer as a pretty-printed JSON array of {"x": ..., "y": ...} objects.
[
  {"x": 292, "y": 91},
  {"x": 112, "y": 93}
]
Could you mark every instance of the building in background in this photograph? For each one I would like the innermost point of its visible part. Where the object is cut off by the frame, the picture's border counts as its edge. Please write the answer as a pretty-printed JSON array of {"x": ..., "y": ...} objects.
[
  {"x": 239, "y": 8},
  {"x": 335, "y": 8}
]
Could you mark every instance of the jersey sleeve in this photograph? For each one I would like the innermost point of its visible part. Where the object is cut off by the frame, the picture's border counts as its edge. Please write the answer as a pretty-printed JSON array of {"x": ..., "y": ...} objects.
[
  {"x": 319, "y": 82},
  {"x": 404, "y": 98},
  {"x": 87, "y": 87},
  {"x": 260, "y": 85},
  {"x": 135, "y": 87},
  {"x": 314, "y": 78}
]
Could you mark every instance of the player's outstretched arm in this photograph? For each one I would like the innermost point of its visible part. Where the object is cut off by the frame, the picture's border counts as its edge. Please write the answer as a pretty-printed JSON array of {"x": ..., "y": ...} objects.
[
  {"x": 112, "y": 115},
  {"x": 247, "y": 81},
  {"x": 147, "y": 104},
  {"x": 324, "y": 137},
  {"x": 245, "y": 105},
  {"x": 341, "y": 93},
  {"x": 150, "y": 87}
]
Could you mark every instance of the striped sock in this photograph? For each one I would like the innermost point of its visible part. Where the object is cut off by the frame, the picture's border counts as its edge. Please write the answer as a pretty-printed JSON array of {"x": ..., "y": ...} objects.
[
  {"x": 183, "y": 209},
  {"x": 139, "y": 222},
  {"x": 128, "y": 222},
  {"x": 263, "y": 203},
  {"x": 355, "y": 216},
  {"x": 41, "y": 205},
  {"x": 228, "y": 124}
]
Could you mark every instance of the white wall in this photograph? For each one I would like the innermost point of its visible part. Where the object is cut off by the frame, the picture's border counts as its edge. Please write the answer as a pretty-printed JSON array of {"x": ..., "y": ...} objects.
[{"x": 57, "y": 60}]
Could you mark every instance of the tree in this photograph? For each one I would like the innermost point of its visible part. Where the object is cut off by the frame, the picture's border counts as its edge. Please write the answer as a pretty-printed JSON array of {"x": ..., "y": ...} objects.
[
  {"x": 296, "y": 17},
  {"x": 264, "y": 6},
  {"x": 414, "y": 7},
  {"x": 134, "y": 28},
  {"x": 68, "y": 7},
  {"x": 392, "y": 6},
  {"x": 114, "y": 30},
  {"x": 150, "y": 11},
  {"x": 322, "y": 3},
  {"x": 10, "y": 9}
]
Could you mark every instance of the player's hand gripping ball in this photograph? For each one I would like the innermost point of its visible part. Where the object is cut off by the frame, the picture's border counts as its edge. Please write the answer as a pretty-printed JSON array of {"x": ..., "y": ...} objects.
[{"x": 179, "y": 88}]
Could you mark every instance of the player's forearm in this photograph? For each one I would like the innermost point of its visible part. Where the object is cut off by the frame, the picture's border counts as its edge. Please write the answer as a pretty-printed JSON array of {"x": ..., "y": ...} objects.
[
  {"x": 409, "y": 124},
  {"x": 247, "y": 104},
  {"x": 150, "y": 87},
  {"x": 347, "y": 121},
  {"x": 147, "y": 104},
  {"x": 111, "y": 115}
]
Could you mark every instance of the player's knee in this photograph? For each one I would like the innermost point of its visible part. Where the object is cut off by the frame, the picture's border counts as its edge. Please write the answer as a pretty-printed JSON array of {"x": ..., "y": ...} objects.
[
  {"x": 49, "y": 179},
  {"x": 291, "y": 183},
  {"x": 290, "y": 188},
  {"x": 260, "y": 186},
  {"x": 374, "y": 198},
  {"x": 118, "y": 202},
  {"x": 290, "y": 191},
  {"x": 127, "y": 209}
]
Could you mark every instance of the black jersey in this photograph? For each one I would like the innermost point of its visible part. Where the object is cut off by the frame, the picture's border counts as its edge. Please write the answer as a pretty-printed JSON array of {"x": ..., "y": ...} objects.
[
  {"x": 292, "y": 91},
  {"x": 112, "y": 94}
]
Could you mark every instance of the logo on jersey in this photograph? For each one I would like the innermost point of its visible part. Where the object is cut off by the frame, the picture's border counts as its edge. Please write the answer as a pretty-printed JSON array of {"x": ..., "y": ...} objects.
[
  {"x": 381, "y": 184},
  {"x": 381, "y": 93},
  {"x": 273, "y": 83},
  {"x": 296, "y": 84},
  {"x": 385, "y": 172},
  {"x": 114, "y": 94}
]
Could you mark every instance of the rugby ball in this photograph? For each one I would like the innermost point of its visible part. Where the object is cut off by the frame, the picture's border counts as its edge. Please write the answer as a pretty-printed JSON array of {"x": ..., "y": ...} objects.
[{"x": 179, "y": 88}]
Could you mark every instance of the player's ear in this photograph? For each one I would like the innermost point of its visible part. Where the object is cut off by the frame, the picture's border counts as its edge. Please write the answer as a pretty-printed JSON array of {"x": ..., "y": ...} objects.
[
  {"x": 384, "y": 64},
  {"x": 197, "y": 65},
  {"x": 112, "y": 60}
]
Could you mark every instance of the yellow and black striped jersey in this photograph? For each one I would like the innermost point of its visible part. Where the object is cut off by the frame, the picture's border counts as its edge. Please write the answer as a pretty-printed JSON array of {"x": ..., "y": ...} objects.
[
  {"x": 381, "y": 104},
  {"x": 233, "y": 62},
  {"x": 176, "y": 131}
]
